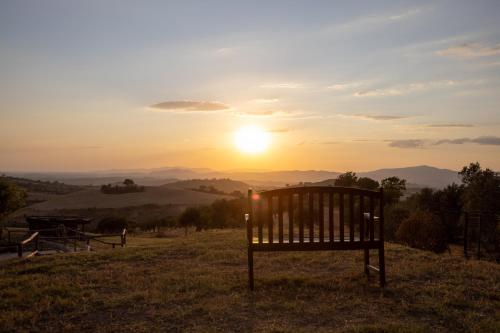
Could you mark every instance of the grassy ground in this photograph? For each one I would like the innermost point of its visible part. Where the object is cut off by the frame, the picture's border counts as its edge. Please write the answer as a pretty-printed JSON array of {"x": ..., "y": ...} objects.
[{"x": 199, "y": 283}]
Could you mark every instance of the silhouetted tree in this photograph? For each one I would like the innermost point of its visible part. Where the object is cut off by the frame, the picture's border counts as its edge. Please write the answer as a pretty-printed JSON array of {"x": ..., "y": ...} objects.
[
  {"x": 12, "y": 197},
  {"x": 482, "y": 188},
  {"x": 191, "y": 217},
  {"x": 128, "y": 182},
  {"x": 347, "y": 179},
  {"x": 367, "y": 183},
  {"x": 393, "y": 189}
]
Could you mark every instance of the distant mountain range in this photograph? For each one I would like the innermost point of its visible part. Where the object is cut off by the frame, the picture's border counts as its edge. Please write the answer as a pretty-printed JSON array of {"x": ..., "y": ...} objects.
[{"x": 419, "y": 175}]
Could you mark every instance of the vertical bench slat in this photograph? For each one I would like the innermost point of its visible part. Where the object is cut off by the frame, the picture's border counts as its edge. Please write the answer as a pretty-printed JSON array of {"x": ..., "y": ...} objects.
[
  {"x": 270, "y": 218},
  {"x": 301, "y": 217},
  {"x": 330, "y": 216},
  {"x": 260, "y": 218},
  {"x": 290, "y": 218},
  {"x": 321, "y": 218},
  {"x": 372, "y": 218},
  {"x": 249, "y": 221},
  {"x": 311, "y": 217},
  {"x": 280, "y": 218},
  {"x": 361, "y": 218},
  {"x": 341, "y": 216},
  {"x": 351, "y": 217}
]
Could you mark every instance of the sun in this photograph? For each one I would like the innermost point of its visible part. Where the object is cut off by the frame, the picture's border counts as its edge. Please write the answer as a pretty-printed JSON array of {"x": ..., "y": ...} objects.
[{"x": 251, "y": 140}]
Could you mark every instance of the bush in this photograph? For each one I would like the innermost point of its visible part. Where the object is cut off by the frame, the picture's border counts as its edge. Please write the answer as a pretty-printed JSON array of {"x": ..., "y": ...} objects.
[
  {"x": 423, "y": 230},
  {"x": 394, "y": 216},
  {"x": 112, "y": 225}
]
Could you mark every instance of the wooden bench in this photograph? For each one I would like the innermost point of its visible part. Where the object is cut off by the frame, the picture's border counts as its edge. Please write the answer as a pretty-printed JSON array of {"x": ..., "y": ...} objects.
[{"x": 316, "y": 218}]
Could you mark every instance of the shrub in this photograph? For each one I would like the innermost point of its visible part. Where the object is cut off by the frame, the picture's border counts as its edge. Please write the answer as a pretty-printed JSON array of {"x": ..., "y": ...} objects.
[
  {"x": 394, "y": 216},
  {"x": 112, "y": 225},
  {"x": 423, "y": 230}
]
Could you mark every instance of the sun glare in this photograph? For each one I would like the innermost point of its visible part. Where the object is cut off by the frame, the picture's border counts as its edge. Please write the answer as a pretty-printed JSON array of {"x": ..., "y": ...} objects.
[{"x": 252, "y": 140}]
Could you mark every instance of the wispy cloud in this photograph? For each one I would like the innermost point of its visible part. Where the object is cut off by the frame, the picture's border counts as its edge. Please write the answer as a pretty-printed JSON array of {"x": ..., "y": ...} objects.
[
  {"x": 225, "y": 51},
  {"x": 410, "y": 143},
  {"x": 190, "y": 106},
  {"x": 450, "y": 125},
  {"x": 282, "y": 85},
  {"x": 376, "y": 117},
  {"x": 482, "y": 140},
  {"x": 419, "y": 143},
  {"x": 372, "y": 21},
  {"x": 470, "y": 50},
  {"x": 280, "y": 130},
  {"x": 265, "y": 100},
  {"x": 403, "y": 89},
  {"x": 269, "y": 113},
  {"x": 344, "y": 86}
]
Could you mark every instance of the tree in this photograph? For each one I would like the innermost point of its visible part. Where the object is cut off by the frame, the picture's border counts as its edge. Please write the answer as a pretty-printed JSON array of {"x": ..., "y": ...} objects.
[
  {"x": 347, "y": 179},
  {"x": 482, "y": 188},
  {"x": 12, "y": 197},
  {"x": 450, "y": 204},
  {"x": 367, "y": 183},
  {"x": 191, "y": 217},
  {"x": 393, "y": 189},
  {"x": 128, "y": 182}
]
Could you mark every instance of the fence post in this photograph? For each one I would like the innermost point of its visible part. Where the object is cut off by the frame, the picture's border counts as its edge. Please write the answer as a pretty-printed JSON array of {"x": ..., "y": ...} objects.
[
  {"x": 466, "y": 232},
  {"x": 479, "y": 237}
]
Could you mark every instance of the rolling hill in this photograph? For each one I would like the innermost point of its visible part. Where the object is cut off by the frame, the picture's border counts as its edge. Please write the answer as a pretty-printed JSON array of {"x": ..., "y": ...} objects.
[
  {"x": 225, "y": 185},
  {"x": 93, "y": 198}
]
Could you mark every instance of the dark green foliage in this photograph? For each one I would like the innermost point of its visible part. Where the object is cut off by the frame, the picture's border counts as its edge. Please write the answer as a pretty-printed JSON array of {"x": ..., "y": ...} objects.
[
  {"x": 423, "y": 230},
  {"x": 220, "y": 214},
  {"x": 39, "y": 186},
  {"x": 347, "y": 179},
  {"x": 367, "y": 183},
  {"x": 482, "y": 188},
  {"x": 128, "y": 182},
  {"x": 12, "y": 197},
  {"x": 394, "y": 216},
  {"x": 191, "y": 217},
  {"x": 393, "y": 189},
  {"x": 112, "y": 225},
  {"x": 157, "y": 224},
  {"x": 130, "y": 187}
]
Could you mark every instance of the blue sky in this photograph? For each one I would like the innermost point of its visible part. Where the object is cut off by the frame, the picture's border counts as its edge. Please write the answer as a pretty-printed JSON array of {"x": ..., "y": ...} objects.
[{"x": 339, "y": 85}]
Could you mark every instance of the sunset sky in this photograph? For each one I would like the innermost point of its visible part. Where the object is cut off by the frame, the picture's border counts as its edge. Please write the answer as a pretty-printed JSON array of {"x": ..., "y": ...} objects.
[{"x": 92, "y": 85}]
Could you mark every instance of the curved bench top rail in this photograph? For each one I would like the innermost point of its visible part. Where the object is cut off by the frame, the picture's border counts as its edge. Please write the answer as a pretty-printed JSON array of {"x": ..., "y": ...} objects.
[
  {"x": 320, "y": 189},
  {"x": 311, "y": 214}
]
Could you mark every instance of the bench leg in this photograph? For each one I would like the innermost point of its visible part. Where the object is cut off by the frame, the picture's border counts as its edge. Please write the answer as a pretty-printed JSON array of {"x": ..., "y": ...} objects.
[
  {"x": 367, "y": 261},
  {"x": 250, "y": 268},
  {"x": 381, "y": 265}
]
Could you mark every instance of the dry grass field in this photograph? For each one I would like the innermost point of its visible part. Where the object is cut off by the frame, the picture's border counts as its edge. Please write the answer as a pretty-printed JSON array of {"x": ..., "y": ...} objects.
[{"x": 198, "y": 283}]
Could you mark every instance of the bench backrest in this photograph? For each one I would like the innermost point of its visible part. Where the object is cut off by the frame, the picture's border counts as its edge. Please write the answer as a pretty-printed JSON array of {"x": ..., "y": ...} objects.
[{"x": 315, "y": 214}]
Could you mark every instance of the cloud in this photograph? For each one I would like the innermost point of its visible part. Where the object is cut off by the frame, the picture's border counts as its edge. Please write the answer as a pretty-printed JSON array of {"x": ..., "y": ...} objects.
[
  {"x": 344, "y": 86},
  {"x": 418, "y": 143},
  {"x": 265, "y": 100},
  {"x": 450, "y": 125},
  {"x": 364, "y": 23},
  {"x": 280, "y": 130},
  {"x": 411, "y": 143},
  {"x": 225, "y": 51},
  {"x": 404, "y": 89},
  {"x": 380, "y": 117},
  {"x": 282, "y": 85},
  {"x": 469, "y": 51},
  {"x": 482, "y": 140},
  {"x": 190, "y": 106},
  {"x": 376, "y": 117}
]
